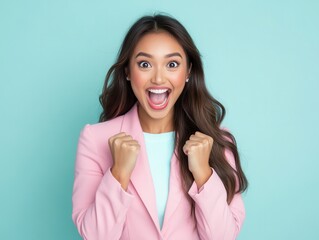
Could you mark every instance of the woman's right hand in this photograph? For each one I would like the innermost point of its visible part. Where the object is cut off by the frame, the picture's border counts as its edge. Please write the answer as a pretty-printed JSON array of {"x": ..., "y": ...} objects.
[{"x": 124, "y": 151}]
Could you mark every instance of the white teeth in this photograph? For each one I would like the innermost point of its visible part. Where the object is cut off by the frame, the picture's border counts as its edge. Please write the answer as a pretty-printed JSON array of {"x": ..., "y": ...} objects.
[{"x": 158, "y": 91}]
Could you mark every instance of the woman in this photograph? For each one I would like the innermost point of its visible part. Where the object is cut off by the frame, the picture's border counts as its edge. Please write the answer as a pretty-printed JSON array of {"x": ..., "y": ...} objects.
[{"x": 158, "y": 165}]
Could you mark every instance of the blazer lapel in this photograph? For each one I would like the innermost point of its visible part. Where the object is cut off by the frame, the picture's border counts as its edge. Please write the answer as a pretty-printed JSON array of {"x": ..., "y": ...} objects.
[
  {"x": 141, "y": 177},
  {"x": 175, "y": 192}
]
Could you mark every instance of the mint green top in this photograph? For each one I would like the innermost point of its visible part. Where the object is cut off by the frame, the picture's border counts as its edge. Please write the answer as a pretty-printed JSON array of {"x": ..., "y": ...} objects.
[{"x": 160, "y": 148}]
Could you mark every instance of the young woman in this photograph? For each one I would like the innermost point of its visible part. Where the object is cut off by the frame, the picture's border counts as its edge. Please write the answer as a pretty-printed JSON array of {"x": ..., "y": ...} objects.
[{"x": 158, "y": 165}]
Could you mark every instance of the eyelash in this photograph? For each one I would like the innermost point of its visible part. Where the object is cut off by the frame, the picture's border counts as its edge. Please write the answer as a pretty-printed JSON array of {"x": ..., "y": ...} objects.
[
  {"x": 175, "y": 62},
  {"x": 140, "y": 64}
]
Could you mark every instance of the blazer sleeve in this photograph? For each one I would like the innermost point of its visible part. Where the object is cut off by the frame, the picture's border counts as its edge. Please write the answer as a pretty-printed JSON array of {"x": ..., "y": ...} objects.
[
  {"x": 216, "y": 220},
  {"x": 99, "y": 202}
]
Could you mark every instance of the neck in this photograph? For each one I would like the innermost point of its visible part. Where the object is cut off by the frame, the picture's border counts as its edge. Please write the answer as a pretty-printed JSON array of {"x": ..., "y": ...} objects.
[{"x": 151, "y": 125}]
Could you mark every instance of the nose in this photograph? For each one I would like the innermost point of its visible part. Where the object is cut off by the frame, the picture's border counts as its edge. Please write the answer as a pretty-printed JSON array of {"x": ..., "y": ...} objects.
[{"x": 158, "y": 77}]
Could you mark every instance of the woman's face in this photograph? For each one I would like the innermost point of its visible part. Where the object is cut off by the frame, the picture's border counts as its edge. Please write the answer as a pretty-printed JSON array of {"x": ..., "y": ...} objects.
[{"x": 158, "y": 71}]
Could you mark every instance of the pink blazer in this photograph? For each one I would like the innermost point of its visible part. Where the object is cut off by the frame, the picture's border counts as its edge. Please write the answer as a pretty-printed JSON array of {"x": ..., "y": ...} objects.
[{"x": 103, "y": 210}]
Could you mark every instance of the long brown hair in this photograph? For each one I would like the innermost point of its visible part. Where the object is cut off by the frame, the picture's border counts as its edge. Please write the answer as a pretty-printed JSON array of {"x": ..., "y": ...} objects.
[{"x": 195, "y": 110}]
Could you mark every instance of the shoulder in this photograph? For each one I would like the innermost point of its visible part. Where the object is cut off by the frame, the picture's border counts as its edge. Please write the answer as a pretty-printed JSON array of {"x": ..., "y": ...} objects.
[
  {"x": 93, "y": 139},
  {"x": 103, "y": 129}
]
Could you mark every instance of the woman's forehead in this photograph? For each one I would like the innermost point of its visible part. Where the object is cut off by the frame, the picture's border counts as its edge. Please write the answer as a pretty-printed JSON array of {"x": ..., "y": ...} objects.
[{"x": 160, "y": 44}]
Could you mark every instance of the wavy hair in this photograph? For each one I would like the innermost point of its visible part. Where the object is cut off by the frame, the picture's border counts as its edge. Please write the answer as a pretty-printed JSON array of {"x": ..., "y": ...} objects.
[{"x": 195, "y": 109}]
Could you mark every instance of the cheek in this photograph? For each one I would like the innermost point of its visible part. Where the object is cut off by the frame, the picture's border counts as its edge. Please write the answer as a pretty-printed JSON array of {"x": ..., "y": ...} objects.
[
  {"x": 178, "y": 79},
  {"x": 137, "y": 79}
]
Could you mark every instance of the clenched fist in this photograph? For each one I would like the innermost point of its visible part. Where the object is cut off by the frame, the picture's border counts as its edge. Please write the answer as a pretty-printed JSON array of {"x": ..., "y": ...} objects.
[
  {"x": 124, "y": 151},
  {"x": 198, "y": 149}
]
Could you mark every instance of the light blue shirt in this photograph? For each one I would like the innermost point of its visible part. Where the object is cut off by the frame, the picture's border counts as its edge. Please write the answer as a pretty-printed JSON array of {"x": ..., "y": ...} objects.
[{"x": 160, "y": 148}]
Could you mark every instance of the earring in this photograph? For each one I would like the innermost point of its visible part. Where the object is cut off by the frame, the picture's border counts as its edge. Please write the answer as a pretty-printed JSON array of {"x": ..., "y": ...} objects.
[
  {"x": 187, "y": 79},
  {"x": 127, "y": 79}
]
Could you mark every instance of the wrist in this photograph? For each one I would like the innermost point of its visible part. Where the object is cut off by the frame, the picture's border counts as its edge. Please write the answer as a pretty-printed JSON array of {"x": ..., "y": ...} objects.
[
  {"x": 201, "y": 177},
  {"x": 122, "y": 178}
]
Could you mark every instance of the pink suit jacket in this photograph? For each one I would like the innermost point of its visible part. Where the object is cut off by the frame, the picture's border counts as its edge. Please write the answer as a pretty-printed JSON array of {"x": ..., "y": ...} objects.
[{"x": 103, "y": 210}]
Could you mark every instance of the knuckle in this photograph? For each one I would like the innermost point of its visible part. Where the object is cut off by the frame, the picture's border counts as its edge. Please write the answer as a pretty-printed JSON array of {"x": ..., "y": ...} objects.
[
  {"x": 207, "y": 141},
  {"x": 134, "y": 146},
  {"x": 197, "y": 133},
  {"x": 117, "y": 141},
  {"x": 192, "y": 147}
]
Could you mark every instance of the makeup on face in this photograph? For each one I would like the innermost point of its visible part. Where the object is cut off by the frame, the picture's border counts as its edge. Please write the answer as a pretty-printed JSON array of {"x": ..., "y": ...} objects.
[{"x": 158, "y": 71}]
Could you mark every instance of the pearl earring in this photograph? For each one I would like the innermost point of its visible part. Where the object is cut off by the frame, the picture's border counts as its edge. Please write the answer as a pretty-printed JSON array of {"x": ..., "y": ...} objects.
[
  {"x": 127, "y": 79},
  {"x": 187, "y": 79}
]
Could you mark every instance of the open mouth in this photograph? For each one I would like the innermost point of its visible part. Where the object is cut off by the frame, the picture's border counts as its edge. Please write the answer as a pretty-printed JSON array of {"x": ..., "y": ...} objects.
[{"x": 158, "y": 97}]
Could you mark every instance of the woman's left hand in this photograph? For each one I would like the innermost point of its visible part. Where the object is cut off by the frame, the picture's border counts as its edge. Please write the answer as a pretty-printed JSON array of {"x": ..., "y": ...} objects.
[{"x": 198, "y": 149}]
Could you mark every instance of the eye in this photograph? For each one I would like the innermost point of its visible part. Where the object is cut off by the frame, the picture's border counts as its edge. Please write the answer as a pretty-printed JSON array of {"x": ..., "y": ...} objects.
[
  {"x": 173, "y": 64},
  {"x": 144, "y": 64}
]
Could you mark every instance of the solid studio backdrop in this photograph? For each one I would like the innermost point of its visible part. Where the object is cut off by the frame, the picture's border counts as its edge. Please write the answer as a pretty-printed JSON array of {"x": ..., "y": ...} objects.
[{"x": 261, "y": 61}]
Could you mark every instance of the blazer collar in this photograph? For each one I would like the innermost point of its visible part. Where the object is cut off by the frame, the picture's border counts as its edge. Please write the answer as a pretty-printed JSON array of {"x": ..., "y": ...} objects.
[{"x": 141, "y": 177}]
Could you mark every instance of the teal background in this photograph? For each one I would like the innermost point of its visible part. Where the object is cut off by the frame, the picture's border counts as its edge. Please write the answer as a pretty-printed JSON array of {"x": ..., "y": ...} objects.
[{"x": 261, "y": 61}]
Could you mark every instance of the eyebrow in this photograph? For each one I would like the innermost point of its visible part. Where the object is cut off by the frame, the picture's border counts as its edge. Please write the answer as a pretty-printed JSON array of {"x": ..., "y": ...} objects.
[{"x": 166, "y": 56}]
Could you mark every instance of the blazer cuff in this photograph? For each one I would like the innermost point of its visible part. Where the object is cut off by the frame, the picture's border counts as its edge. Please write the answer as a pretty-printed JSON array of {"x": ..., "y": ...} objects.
[
  {"x": 113, "y": 186},
  {"x": 213, "y": 187}
]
